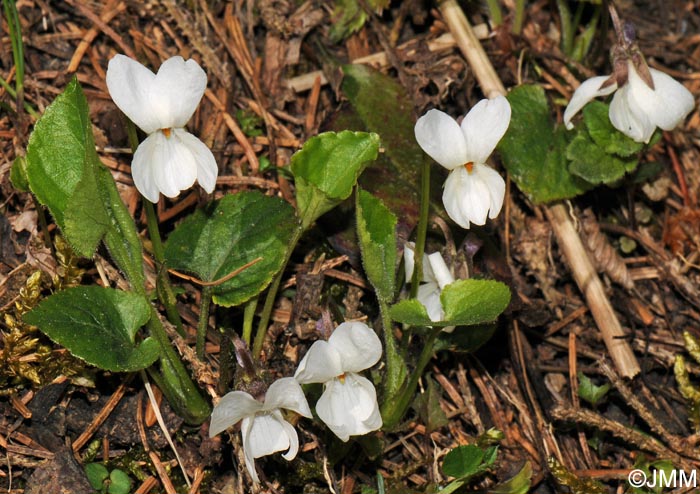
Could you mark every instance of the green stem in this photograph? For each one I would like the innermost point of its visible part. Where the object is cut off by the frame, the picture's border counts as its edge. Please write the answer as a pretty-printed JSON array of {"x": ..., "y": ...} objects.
[
  {"x": 11, "y": 91},
  {"x": 154, "y": 231},
  {"x": 173, "y": 379},
  {"x": 272, "y": 295},
  {"x": 44, "y": 226},
  {"x": 519, "y": 16},
  {"x": 203, "y": 321},
  {"x": 577, "y": 17},
  {"x": 422, "y": 228},
  {"x": 15, "y": 31},
  {"x": 394, "y": 410},
  {"x": 395, "y": 366},
  {"x": 567, "y": 33},
  {"x": 164, "y": 289},
  {"x": 248, "y": 315},
  {"x": 226, "y": 363},
  {"x": 495, "y": 12}
]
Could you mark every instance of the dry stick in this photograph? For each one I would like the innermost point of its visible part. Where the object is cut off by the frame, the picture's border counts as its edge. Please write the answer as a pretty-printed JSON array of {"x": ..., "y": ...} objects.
[
  {"x": 589, "y": 283},
  {"x": 569, "y": 241},
  {"x": 627, "y": 434},
  {"x": 102, "y": 416},
  {"x": 163, "y": 427},
  {"x": 235, "y": 130},
  {"x": 162, "y": 473},
  {"x": 523, "y": 355},
  {"x": 147, "y": 485},
  {"x": 102, "y": 25},
  {"x": 676, "y": 443},
  {"x": 108, "y": 13}
]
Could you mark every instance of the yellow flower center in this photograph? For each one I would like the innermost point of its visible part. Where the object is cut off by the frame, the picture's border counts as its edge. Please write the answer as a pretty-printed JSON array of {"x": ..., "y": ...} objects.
[
  {"x": 166, "y": 132},
  {"x": 469, "y": 166},
  {"x": 341, "y": 378}
]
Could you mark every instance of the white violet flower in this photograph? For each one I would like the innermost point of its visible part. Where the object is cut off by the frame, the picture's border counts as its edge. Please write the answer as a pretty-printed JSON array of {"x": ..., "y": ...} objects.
[
  {"x": 644, "y": 98},
  {"x": 170, "y": 159},
  {"x": 436, "y": 276},
  {"x": 348, "y": 405},
  {"x": 263, "y": 428},
  {"x": 637, "y": 108},
  {"x": 473, "y": 190}
]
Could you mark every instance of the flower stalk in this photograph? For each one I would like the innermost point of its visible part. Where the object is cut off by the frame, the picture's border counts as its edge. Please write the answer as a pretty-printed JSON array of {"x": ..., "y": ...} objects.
[
  {"x": 422, "y": 228},
  {"x": 272, "y": 295},
  {"x": 203, "y": 322},
  {"x": 393, "y": 410}
]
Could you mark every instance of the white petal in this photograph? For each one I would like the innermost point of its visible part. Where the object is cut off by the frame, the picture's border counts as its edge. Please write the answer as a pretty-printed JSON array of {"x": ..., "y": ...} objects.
[
  {"x": 287, "y": 393},
  {"x": 156, "y": 101},
  {"x": 357, "y": 344},
  {"x": 467, "y": 197},
  {"x": 267, "y": 435},
  {"x": 206, "y": 164},
  {"x": 429, "y": 295},
  {"x": 293, "y": 439},
  {"x": 178, "y": 165},
  {"x": 165, "y": 162},
  {"x": 232, "y": 407},
  {"x": 496, "y": 185},
  {"x": 409, "y": 256},
  {"x": 452, "y": 196},
  {"x": 484, "y": 126},
  {"x": 246, "y": 427},
  {"x": 440, "y": 137},
  {"x": 673, "y": 101},
  {"x": 629, "y": 118},
  {"x": 409, "y": 260},
  {"x": 588, "y": 90},
  {"x": 320, "y": 364},
  {"x": 443, "y": 276},
  {"x": 178, "y": 87},
  {"x": 129, "y": 84},
  {"x": 144, "y": 165},
  {"x": 349, "y": 408},
  {"x": 374, "y": 421}
]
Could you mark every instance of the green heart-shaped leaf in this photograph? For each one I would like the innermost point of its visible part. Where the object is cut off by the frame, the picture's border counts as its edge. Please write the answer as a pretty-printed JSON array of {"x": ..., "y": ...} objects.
[
  {"x": 228, "y": 234},
  {"x": 98, "y": 325}
]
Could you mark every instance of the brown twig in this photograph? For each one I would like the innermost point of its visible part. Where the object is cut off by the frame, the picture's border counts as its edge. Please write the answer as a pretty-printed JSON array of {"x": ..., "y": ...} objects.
[
  {"x": 678, "y": 170},
  {"x": 235, "y": 130},
  {"x": 102, "y": 25},
  {"x": 630, "y": 436},
  {"x": 102, "y": 416},
  {"x": 676, "y": 443},
  {"x": 162, "y": 473},
  {"x": 109, "y": 12}
]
